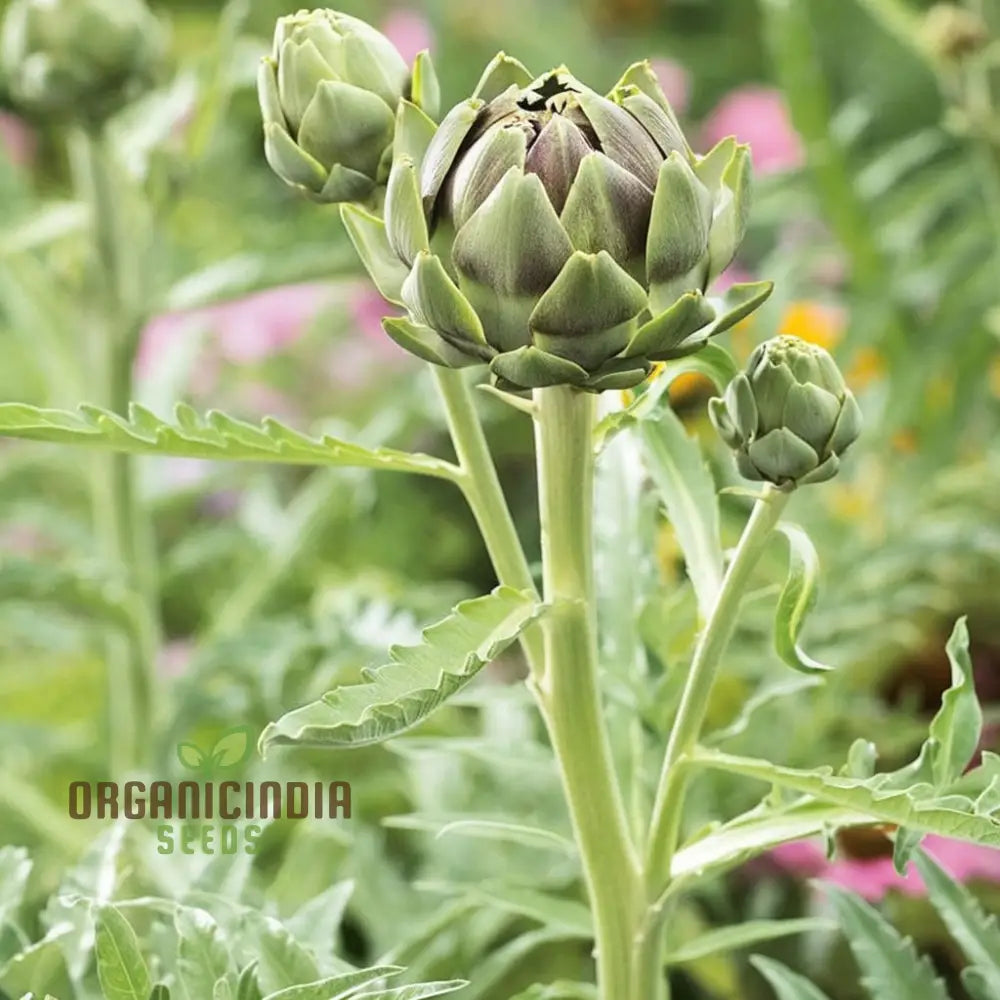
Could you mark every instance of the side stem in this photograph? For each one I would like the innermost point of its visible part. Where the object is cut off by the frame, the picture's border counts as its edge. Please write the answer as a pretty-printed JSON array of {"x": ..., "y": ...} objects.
[
  {"x": 568, "y": 691},
  {"x": 665, "y": 824},
  {"x": 482, "y": 490}
]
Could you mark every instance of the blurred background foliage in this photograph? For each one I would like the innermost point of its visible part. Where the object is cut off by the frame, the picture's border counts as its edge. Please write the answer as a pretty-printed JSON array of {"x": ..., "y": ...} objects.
[{"x": 875, "y": 126}]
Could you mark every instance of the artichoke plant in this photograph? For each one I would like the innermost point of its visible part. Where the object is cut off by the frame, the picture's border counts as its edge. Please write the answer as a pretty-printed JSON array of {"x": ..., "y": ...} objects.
[
  {"x": 560, "y": 236},
  {"x": 789, "y": 417},
  {"x": 78, "y": 60},
  {"x": 329, "y": 94}
]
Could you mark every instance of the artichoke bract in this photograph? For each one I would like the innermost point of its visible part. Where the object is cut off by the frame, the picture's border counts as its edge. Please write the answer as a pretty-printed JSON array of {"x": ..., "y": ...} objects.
[
  {"x": 78, "y": 60},
  {"x": 789, "y": 417},
  {"x": 329, "y": 94},
  {"x": 560, "y": 236}
]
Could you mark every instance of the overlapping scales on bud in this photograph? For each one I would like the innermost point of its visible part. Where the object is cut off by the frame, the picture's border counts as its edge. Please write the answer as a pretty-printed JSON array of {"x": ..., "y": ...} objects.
[
  {"x": 329, "y": 94},
  {"x": 789, "y": 417},
  {"x": 78, "y": 60},
  {"x": 560, "y": 236}
]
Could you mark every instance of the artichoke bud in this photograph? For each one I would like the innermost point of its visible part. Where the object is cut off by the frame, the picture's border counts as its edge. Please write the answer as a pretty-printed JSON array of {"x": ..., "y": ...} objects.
[
  {"x": 329, "y": 95},
  {"x": 78, "y": 60},
  {"x": 789, "y": 417},
  {"x": 579, "y": 228}
]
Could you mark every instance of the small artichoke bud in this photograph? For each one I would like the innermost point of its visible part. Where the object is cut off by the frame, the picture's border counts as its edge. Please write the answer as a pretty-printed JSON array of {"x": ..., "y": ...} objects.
[
  {"x": 78, "y": 60},
  {"x": 953, "y": 32},
  {"x": 329, "y": 94},
  {"x": 789, "y": 417},
  {"x": 561, "y": 236}
]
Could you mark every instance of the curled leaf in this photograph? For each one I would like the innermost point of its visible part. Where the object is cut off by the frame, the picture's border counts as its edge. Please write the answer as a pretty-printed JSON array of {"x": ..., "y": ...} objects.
[{"x": 796, "y": 601}]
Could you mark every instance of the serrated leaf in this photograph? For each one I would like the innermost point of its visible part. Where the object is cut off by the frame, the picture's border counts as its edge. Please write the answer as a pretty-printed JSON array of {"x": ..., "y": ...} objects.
[
  {"x": 416, "y": 681},
  {"x": 121, "y": 968},
  {"x": 880, "y": 797},
  {"x": 975, "y": 931},
  {"x": 796, "y": 601},
  {"x": 336, "y": 987},
  {"x": 787, "y": 985},
  {"x": 677, "y": 468},
  {"x": 418, "y": 991},
  {"x": 889, "y": 963},
  {"x": 485, "y": 829},
  {"x": 214, "y": 436},
  {"x": 202, "y": 955},
  {"x": 958, "y": 723},
  {"x": 753, "y": 834},
  {"x": 728, "y": 939},
  {"x": 980, "y": 984}
]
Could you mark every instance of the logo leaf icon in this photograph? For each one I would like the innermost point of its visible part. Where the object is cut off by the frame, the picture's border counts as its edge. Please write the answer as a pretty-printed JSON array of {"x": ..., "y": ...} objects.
[
  {"x": 232, "y": 747},
  {"x": 191, "y": 756}
]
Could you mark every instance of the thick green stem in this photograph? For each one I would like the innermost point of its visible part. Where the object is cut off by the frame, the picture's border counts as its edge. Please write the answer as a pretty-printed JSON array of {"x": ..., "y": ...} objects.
[
  {"x": 665, "y": 825},
  {"x": 124, "y": 532},
  {"x": 482, "y": 490},
  {"x": 568, "y": 689}
]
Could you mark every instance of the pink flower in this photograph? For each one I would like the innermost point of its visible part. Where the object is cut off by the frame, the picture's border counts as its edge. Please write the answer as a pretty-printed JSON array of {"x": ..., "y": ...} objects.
[
  {"x": 874, "y": 877},
  {"x": 675, "y": 81},
  {"x": 733, "y": 275},
  {"x": 408, "y": 31},
  {"x": 17, "y": 141},
  {"x": 758, "y": 116},
  {"x": 245, "y": 330}
]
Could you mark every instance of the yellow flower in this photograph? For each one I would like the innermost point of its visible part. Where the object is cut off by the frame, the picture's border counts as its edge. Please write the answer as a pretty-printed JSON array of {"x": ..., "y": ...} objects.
[{"x": 815, "y": 322}]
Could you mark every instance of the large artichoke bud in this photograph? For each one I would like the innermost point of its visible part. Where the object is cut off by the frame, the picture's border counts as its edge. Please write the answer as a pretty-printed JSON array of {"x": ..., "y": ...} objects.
[
  {"x": 560, "y": 236},
  {"x": 78, "y": 60},
  {"x": 790, "y": 416},
  {"x": 329, "y": 94}
]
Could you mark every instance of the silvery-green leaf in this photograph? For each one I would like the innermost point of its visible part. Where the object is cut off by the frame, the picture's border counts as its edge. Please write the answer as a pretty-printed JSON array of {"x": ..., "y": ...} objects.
[
  {"x": 958, "y": 724},
  {"x": 121, "y": 968},
  {"x": 503, "y": 72},
  {"x": 215, "y": 435},
  {"x": 531, "y": 368},
  {"x": 508, "y": 254},
  {"x": 718, "y": 413},
  {"x": 618, "y": 373},
  {"x": 202, "y": 956},
  {"x": 419, "y": 991},
  {"x": 798, "y": 596},
  {"x": 787, "y": 985},
  {"x": 608, "y": 209},
  {"x": 890, "y": 965},
  {"x": 726, "y": 940},
  {"x": 416, "y": 681},
  {"x": 405, "y": 224},
  {"x": 738, "y": 302},
  {"x": 337, "y": 987},
  {"x": 367, "y": 233},
  {"x": 282, "y": 961},
  {"x": 586, "y": 313},
  {"x": 425, "y": 91}
]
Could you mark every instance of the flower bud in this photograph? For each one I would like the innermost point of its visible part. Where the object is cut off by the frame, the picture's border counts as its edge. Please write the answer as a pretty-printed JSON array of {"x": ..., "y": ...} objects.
[
  {"x": 954, "y": 32},
  {"x": 78, "y": 60},
  {"x": 329, "y": 93},
  {"x": 789, "y": 417},
  {"x": 561, "y": 236}
]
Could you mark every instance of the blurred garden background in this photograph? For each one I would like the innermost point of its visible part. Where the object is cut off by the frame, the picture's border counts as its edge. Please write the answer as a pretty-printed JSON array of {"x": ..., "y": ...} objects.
[{"x": 875, "y": 133}]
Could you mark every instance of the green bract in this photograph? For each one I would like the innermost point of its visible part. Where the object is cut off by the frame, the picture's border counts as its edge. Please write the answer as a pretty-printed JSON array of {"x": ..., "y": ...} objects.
[
  {"x": 789, "y": 417},
  {"x": 560, "y": 236},
  {"x": 329, "y": 94},
  {"x": 78, "y": 60}
]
